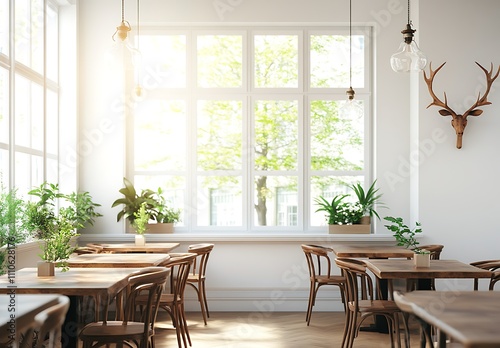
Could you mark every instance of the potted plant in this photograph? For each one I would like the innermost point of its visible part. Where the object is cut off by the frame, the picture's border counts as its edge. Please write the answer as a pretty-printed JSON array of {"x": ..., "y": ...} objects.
[
  {"x": 367, "y": 199},
  {"x": 407, "y": 237},
  {"x": 57, "y": 230},
  {"x": 342, "y": 217},
  {"x": 163, "y": 215},
  {"x": 140, "y": 224},
  {"x": 132, "y": 201}
]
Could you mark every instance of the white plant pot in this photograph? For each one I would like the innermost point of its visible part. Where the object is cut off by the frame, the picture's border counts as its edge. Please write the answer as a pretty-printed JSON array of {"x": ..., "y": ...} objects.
[
  {"x": 46, "y": 268},
  {"x": 140, "y": 239},
  {"x": 422, "y": 260}
]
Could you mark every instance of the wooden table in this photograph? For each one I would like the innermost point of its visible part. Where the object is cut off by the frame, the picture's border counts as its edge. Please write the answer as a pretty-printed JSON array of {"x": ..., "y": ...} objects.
[
  {"x": 371, "y": 251},
  {"x": 17, "y": 313},
  {"x": 132, "y": 248},
  {"x": 469, "y": 317},
  {"x": 103, "y": 283},
  {"x": 117, "y": 260}
]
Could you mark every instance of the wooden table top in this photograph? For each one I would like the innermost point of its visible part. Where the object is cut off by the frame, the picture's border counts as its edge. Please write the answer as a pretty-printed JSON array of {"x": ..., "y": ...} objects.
[
  {"x": 22, "y": 309},
  {"x": 118, "y": 260},
  {"x": 405, "y": 269},
  {"x": 102, "y": 282},
  {"x": 371, "y": 251},
  {"x": 131, "y": 247},
  {"x": 470, "y": 317}
]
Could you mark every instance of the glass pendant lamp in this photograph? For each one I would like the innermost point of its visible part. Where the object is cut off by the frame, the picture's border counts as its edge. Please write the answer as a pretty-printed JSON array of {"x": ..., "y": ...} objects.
[{"x": 409, "y": 57}]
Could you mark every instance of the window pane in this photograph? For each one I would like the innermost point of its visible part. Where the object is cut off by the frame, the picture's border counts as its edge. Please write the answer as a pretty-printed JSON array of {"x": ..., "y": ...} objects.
[
  {"x": 330, "y": 61},
  {"x": 219, "y": 135},
  {"x": 219, "y": 201},
  {"x": 336, "y": 140},
  {"x": 52, "y": 122},
  {"x": 276, "y": 135},
  {"x": 29, "y": 33},
  {"x": 173, "y": 188},
  {"x": 160, "y": 135},
  {"x": 276, "y": 61},
  {"x": 220, "y": 60},
  {"x": 4, "y": 167},
  {"x": 276, "y": 201},
  {"x": 4, "y": 106},
  {"x": 4, "y": 27},
  {"x": 163, "y": 61},
  {"x": 52, "y": 43},
  {"x": 29, "y": 114},
  {"x": 329, "y": 187}
]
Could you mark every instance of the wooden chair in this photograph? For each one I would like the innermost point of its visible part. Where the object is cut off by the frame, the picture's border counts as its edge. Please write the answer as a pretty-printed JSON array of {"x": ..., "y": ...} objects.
[
  {"x": 131, "y": 329},
  {"x": 173, "y": 303},
  {"x": 359, "y": 309},
  {"x": 47, "y": 324},
  {"x": 407, "y": 309},
  {"x": 490, "y": 265},
  {"x": 320, "y": 273},
  {"x": 197, "y": 276}
]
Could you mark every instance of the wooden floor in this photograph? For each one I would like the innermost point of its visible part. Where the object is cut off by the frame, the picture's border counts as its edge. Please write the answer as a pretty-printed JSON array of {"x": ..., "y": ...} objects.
[{"x": 269, "y": 330}]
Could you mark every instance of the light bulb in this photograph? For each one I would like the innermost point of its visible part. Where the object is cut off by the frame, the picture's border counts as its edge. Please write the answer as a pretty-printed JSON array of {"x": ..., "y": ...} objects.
[
  {"x": 351, "y": 109},
  {"x": 408, "y": 58}
]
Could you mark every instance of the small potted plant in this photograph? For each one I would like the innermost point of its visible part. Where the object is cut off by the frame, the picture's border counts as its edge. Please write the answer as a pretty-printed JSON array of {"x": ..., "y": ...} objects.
[
  {"x": 163, "y": 215},
  {"x": 407, "y": 237},
  {"x": 342, "y": 217},
  {"x": 367, "y": 199},
  {"x": 140, "y": 224}
]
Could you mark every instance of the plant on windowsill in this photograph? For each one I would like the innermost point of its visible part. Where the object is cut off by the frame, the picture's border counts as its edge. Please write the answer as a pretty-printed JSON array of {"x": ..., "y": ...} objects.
[
  {"x": 406, "y": 237},
  {"x": 342, "y": 217},
  {"x": 368, "y": 199},
  {"x": 163, "y": 215}
]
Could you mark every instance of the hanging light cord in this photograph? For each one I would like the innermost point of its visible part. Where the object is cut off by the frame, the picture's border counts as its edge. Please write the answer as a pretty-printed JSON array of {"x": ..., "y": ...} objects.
[
  {"x": 409, "y": 20},
  {"x": 350, "y": 43},
  {"x": 138, "y": 33},
  {"x": 123, "y": 10}
]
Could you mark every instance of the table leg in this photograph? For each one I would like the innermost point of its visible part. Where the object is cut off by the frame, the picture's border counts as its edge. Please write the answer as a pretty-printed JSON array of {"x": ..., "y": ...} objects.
[{"x": 69, "y": 335}]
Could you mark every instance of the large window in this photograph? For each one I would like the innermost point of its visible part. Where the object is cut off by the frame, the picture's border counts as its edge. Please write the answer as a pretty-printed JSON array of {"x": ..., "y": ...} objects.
[
  {"x": 244, "y": 127},
  {"x": 29, "y": 93}
]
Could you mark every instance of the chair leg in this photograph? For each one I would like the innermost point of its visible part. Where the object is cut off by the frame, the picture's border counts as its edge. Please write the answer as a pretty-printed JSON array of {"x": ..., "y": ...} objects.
[
  {"x": 310, "y": 303},
  {"x": 204, "y": 295}
]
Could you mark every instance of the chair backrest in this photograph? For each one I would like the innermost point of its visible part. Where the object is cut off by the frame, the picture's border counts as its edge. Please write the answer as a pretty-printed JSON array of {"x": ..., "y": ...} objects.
[
  {"x": 180, "y": 264},
  {"x": 435, "y": 250},
  {"x": 49, "y": 324},
  {"x": 318, "y": 261},
  {"x": 149, "y": 282},
  {"x": 489, "y": 265},
  {"x": 202, "y": 251},
  {"x": 359, "y": 284}
]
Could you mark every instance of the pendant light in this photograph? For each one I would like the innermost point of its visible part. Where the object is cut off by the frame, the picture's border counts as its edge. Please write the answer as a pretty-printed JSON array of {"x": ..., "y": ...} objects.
[
  {"x": 121, "y": 48},
  {"x": 351, "y": 108},
  {"x": 409, "y": 57}
]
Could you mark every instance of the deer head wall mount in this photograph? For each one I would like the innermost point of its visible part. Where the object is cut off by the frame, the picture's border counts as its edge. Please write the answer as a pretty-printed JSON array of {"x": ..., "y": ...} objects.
[{"x": 460, "y": 121}]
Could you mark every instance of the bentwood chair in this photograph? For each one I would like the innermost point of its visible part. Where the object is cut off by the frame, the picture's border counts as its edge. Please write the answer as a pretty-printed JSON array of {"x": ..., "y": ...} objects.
[
  {"x": 47, "y": 324},
  {"x": 359, "y": 309},
  {"x": 133, "y": 329},
  {"x": 197, "y": 275},
  {"x": 320, "y": 273},
  {"x": 490, "y": 265},
  {"x": 173, "y": 302}
]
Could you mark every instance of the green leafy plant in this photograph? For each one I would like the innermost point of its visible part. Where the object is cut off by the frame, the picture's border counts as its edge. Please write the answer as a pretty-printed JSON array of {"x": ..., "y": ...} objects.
[
  {"x": 162, "y": 212},
  {"x": 57, "y": 245},
  {"x": 141, "y": 219},
  {"x": 330, "y": 208},
  {"x": 404, "y": 235},
  {"x": 348, "y": 213},
  {"x": 368, "y": 199},
  {"x": 132, "y": 201}
]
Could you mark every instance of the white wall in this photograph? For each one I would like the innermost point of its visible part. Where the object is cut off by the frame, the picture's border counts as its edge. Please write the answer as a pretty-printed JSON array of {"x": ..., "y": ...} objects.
[{"x": 448, "y": 191}]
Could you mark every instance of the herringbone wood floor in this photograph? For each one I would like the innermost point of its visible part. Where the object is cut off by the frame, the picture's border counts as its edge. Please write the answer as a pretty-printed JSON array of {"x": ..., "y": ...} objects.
[{"x": 268, "y": 330}]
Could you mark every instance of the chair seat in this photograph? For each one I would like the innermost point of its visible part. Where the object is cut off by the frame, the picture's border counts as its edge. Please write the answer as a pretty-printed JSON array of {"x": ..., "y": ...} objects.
[
  {"x": 112, "y": 329},
  {"x": 195, "y": 278},
  {"x": 332, "y": 279},
  {"x": 376, "y": 306}
]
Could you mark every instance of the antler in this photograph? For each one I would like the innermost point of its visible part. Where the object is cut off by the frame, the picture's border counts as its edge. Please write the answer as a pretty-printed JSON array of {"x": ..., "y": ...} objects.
[
  {"x": 481, "y": 101},
  {"x": 435, "y": 100}
]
